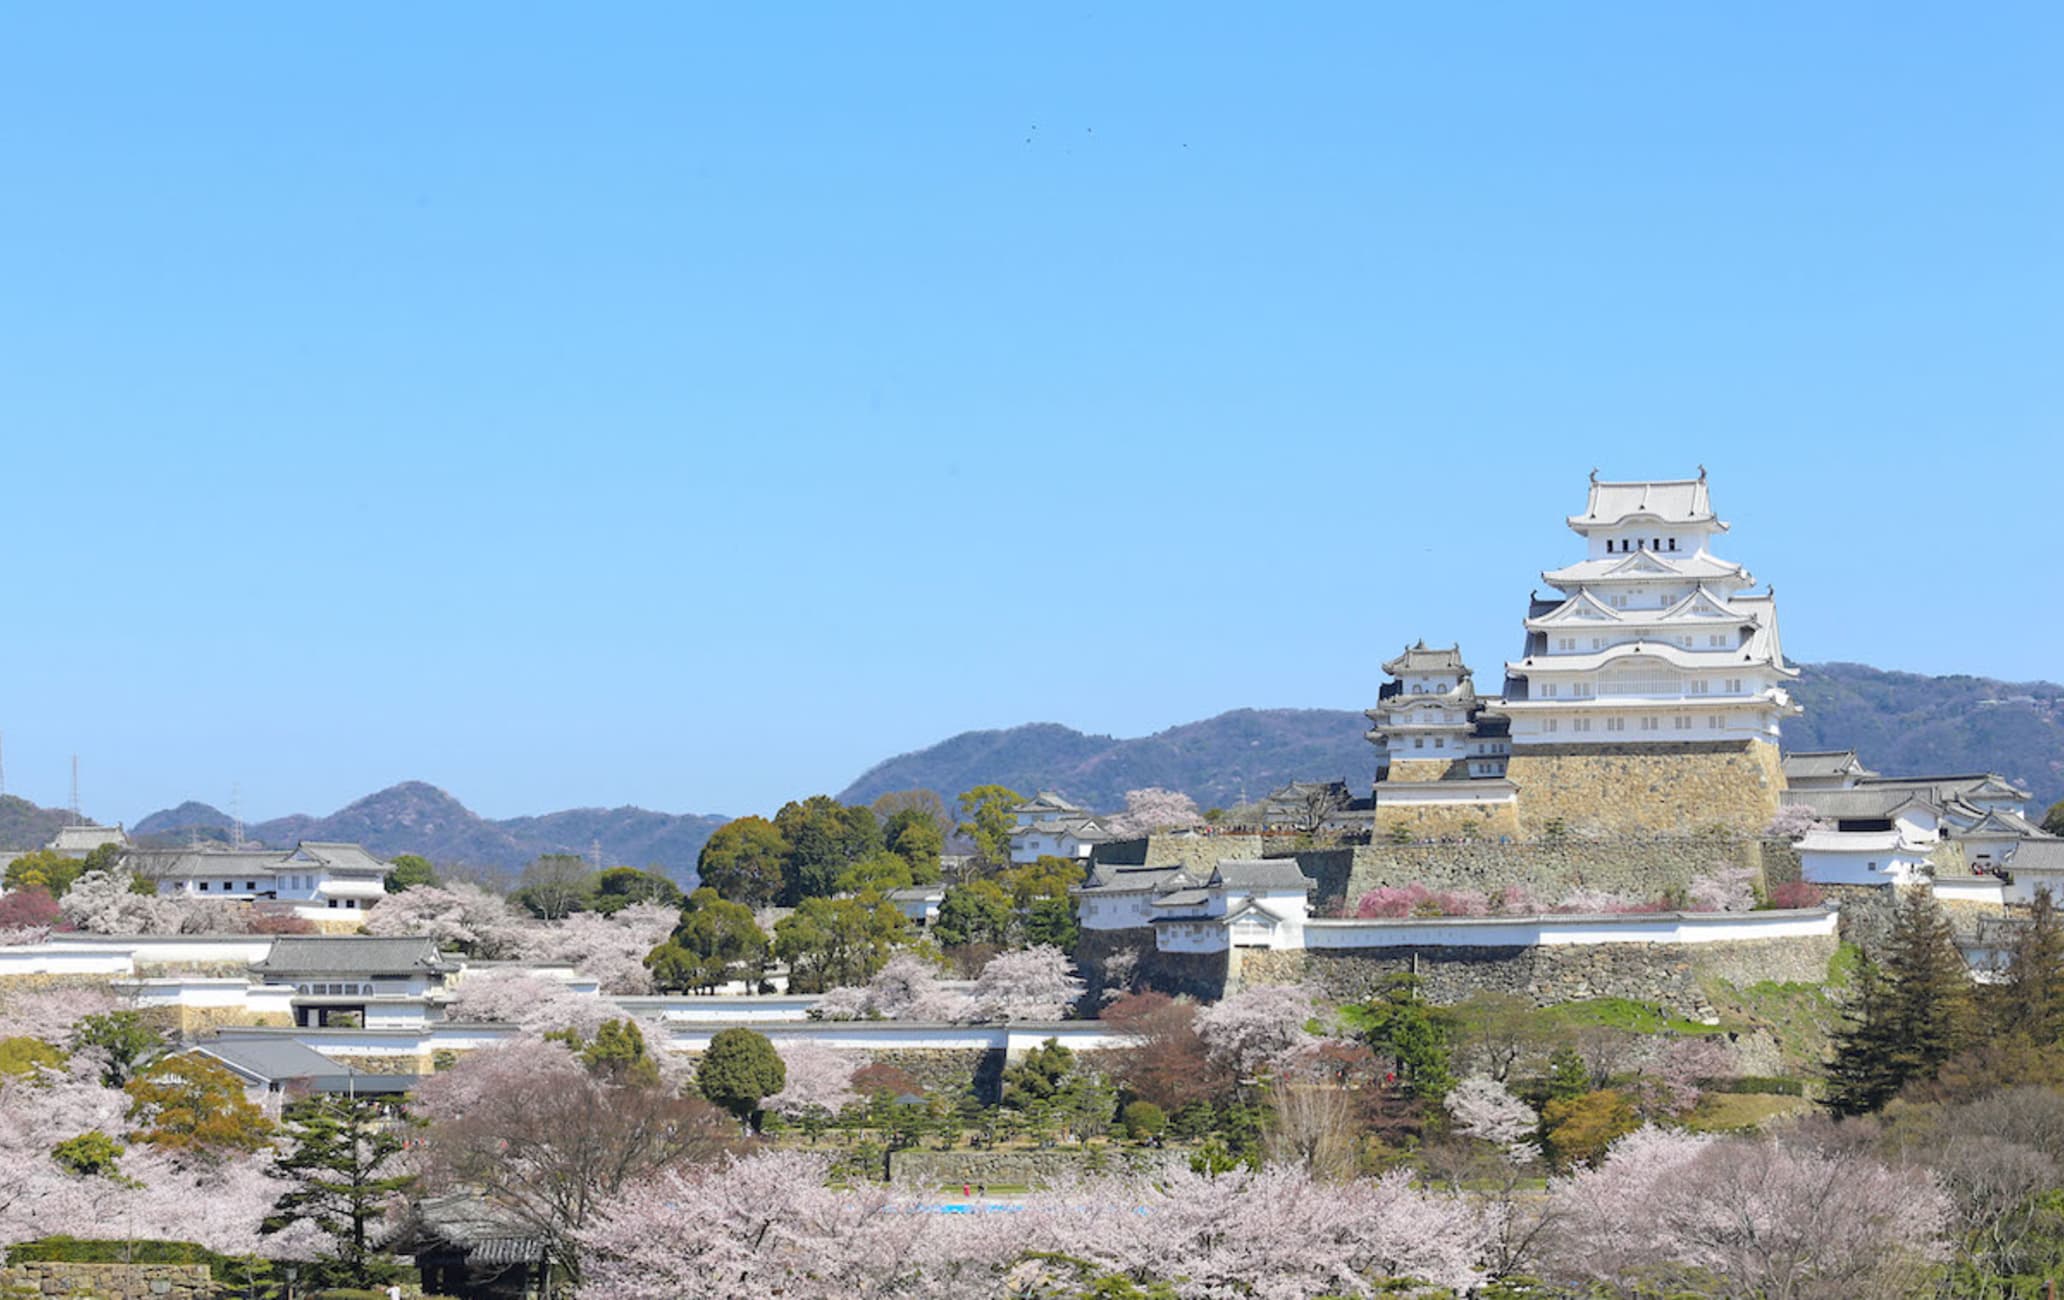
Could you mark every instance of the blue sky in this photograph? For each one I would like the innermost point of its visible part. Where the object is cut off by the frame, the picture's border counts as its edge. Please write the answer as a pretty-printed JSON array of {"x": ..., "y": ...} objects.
[{"x": 688, "y": 406}]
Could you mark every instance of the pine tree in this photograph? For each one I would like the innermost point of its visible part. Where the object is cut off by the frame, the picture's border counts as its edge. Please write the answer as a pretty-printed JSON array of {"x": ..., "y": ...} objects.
[
  {"x": 2031, "y": 1000},
  {"x": 1933, "y": 1010},
  {"x": 1862, "y": 1077},
  {"x": 340, "y": 1162},
  {"x": 1913, "y": 1009}
]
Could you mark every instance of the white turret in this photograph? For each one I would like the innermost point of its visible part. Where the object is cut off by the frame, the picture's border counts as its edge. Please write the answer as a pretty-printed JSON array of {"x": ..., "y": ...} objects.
[{"x": 1653, "y": 638}]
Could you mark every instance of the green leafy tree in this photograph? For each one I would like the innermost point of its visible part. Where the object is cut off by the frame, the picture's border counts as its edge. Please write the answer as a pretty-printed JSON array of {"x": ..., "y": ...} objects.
[
  {"x": 824, "y": 838},
  {"x": 23, "y": 1058},
  {"x": 739, "y": 1071},
  {"x": 743, "y": 860},
  {"x": 407, "y": 870},
  {"x": 716, "y": 941},
  {"x": 620, "y": 887},
  {"x": 832, "y": 941},
  {"x": 918, "y": 837},
  {"x": 103, "y": 857},
  {"x": 344, "y": 1162},
  {"x": 986, "y": 818},
  {"x": 976, "y": 912},
  {"x": 90, "y": 1155},
  {"x": 186, "y": 1103},
  {"x": 1568, "y": 1077},
  {"x": 1144, "y": 1121},
  {"x": 555, "y": 886},
  {"x": 1402, "y": 1025},
  {"x": 877, "y": 873},
  {"x": 1581, "y": 1128},
  {"x": 44, "y": 869},
  {"x": 2053, "y": 820},
  {"x": 122, "y": 1041},
  {"x": 1052, "y": 921},
  {"x": 615, "y": 1054},
  {"x": 1039, "y": 1077}
]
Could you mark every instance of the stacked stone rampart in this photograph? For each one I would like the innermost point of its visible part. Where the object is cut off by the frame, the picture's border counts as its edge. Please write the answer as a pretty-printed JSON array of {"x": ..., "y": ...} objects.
[
  {"x": 1636, "y": 866},
  {"x": 1668, "y": 975},
  {"x": 55, "y": 1279},
  {"x": 1647, "y": 789}
]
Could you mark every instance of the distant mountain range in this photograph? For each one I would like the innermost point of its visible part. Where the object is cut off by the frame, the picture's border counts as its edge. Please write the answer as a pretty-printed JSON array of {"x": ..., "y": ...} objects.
[
  {"x": 1899, "y": 722},
  {"x": 415, "y": 817}
]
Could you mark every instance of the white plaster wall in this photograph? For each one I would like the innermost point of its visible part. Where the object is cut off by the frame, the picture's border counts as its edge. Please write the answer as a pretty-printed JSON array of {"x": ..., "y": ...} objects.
[{"x": 1545, "y": 931}]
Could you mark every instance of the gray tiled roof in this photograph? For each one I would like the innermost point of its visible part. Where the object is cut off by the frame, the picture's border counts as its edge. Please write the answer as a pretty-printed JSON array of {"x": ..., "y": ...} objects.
[
  {"x": 2037, "y": 855},
  {"x": 350, "y": 955},
  {"x": 182, "y": 864},
  {"x": 1823, "y": 762},
  {"x": 1046, "y": 801},
  {"x": 84, "y": 839},
  {"x": 1260, "y": 873},
  {"x": 1961, "y": 785},
  {"x": 1422, "y": 658},
  {"x": 278, "y": 1060},
  {"x": 1861, "y": 803}
]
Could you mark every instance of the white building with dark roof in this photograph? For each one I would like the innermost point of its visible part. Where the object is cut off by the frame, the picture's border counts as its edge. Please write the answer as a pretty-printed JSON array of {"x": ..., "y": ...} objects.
[
  {"x": 1049, "y": 826},
  {"x": 1652, "y": 638},
  {"x": 320, "y": 881}
]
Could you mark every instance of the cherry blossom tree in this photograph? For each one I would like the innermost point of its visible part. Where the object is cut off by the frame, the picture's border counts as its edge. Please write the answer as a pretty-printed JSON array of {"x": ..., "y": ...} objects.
[
  {"x": 49, "y": 1013},
  {"x": 1037, "y": 983},
  {"x": 1725, "y": 888},
  {"x": 1417, "y": 900},
  {"x": 1595, "y": 902},
  {"x": 905, "y": 988},
  {"x": 611, "y": 948},
  {"x": 1257, "y": 1029},
  {"x": 101, "y": 902},
  {"x": 766, "y": 1224},
  {"x": 1155, "y": 810},
  {"x": 458, "y": 915},
  {"x": 1484, "y": 1109},
  {"x": 819, "y": 1080},
  {"x": 1684, "y": 1067},
  {"x": 525, "y": 1126},
  {"x": 1792, "y": 821},
  {"x": 1793, "y": 1220},
  {"x": 532, "y": 1003}
]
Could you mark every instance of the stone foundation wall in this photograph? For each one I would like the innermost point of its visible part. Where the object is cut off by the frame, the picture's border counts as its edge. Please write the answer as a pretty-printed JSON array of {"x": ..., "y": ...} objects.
[
  {"x": 204, "y": 1021},
  {"x": 1427, "y": 769},
  {"x": 1199, "y": 975},
  {"x": 1638, "y": 866},
  {"x": 1488, "y": 820},
  {"x": 1668, "y": 975},
  {"x": 52, "y": 1278},
  {"x": 1637, "y": 789}
]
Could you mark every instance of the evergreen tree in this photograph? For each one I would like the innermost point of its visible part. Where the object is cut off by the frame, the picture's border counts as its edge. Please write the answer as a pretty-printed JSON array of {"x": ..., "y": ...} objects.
[
  {"x": 1913, "y": 1010},
  {"x": 343, "y": 1165},
  {"x": 2031, "y": 1000},
  {"x": 1862, "y": 1076},
  {"x": 1568, "y": 1078},
  {"x": 1932, "y": 1004},
  {"x": 739, "y": 1071}
]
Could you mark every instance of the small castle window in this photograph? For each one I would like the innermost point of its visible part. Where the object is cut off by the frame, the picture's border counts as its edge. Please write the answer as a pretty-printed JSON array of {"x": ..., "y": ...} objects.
[
  {"x": 1673, "y": 543},
  {"x": 1659, "y": 543}
]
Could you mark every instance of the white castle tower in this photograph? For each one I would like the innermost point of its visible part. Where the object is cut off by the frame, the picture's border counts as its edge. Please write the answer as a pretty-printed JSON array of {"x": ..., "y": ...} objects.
[{"x": 1656, "y": 649}]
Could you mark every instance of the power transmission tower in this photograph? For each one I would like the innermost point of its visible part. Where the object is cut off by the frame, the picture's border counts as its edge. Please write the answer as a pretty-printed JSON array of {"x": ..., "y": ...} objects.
[
  {"x": 236, "y": 816},
  {"x": 595, "y": 853},
  {"x": 3, "y": 765},
  {"x": 76, "y": 818}
]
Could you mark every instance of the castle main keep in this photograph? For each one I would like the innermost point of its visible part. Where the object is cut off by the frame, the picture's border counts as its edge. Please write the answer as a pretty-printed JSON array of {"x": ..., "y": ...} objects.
[{"x": 1647, "y": 697}]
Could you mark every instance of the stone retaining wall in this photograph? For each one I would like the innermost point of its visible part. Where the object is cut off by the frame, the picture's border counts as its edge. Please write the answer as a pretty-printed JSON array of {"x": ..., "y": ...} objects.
[
  {"x": 38, "y": 1278},
  {"x": 1668, "y": 975},
  {"x": 1201, "y": 975},
  {"x": 1637, "y": 866},
  {"x": 1636, "y": 789}
]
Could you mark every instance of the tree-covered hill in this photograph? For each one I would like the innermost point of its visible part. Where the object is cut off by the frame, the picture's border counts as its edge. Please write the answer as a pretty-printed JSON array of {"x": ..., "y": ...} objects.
[{"x": 1900, "y": 722}]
